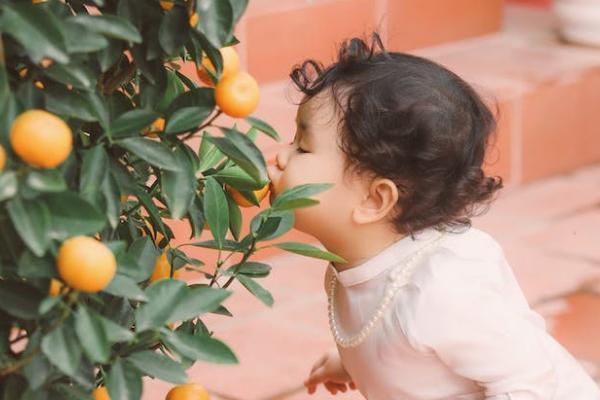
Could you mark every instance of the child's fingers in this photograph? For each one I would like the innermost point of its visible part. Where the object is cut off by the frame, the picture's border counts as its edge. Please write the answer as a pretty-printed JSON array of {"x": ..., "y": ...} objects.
[
  {"x": 352, "y": 385},
  {"x": 334, "y": 387}
]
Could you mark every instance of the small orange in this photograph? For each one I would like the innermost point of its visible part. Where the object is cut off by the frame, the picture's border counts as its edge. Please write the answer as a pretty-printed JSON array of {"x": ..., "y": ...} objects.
[
  {"x": 101, "y": 393},
  {"x": 194, "y": 19},
  {"x": 166, "y": 4},
  {"x": 237, "y": 95},
  {"x": 242, "y": 201},
  {"x": 157, "y": 127},
  {"x": 189, "y": 391},
  {"x": 159, "y": 236},
  {"x": 55, "y": 287},
  {"x": 162, "y": 269},
  {"x": 39, "y": 84},
  {"x": 41, "y": 139},
  {"x": 23, "y": 72},
  {"x": 86, "y": 264},
  {"x": 231, "y": 65},
  {"x": 2, "y": 158}
]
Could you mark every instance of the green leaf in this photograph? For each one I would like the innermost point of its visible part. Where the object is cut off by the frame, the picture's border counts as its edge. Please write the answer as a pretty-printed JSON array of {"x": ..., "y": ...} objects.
[
  {"x": 164, "y": 295},
  {"x": 264, "y": 127},
  {"x": 31, "y": 266},
  {"x": 239, "y": 6},
  {"x": 216, "y": 210},
  {"x": 296, "y": 196},
  {"x": 200, "y": 347},
  {"x": 80, "y": 39},
  {"x": 123, "y": 286},
  {"x": 257, "y": 290},
  {"x": 309, "y": 251},
  {"x": 124, "y": 382},
  {"x": 37, "y": 29},
  {"x": 19, "y": 299},
  {"x": 114, "y": 332},
  {"x": 91, "y": 334},
  {"x": 94, "y": 170},
  {"x": 208, "y": 153},
  {"x": 138, "y": 262},
  {"x": 200, "y": 97},
  {"x": 132, "y": 122},
  {"x": 171, "y": 34},
  {"x": 68, "y": 103},
  {"x": 236, "y": 177},
  {"x": 179, "y": 187},
  {"x": 174, "y": 88},
  {"x": 185, "y": 119},
  {"x": 284, "y": 223},
  {"x": 229, "y": 245},
  {"x": 71, "y": 215},
  {"x": 8, "y": 185},
  {"x": 153, "y": 152},
  {"x": 62, "y": 349},
  {"x": 46, "y": 180},
  {"x": 112, "y": 199},
  {"x": 250, "y": 268},
  {"x": 243, "y": 152},
  {"x": 217, "y": 20},
  {"x": 158, "y": 366},
  {"x": 235, "y": 218},
  {"x": 109, "y": 25},
  {"x": 197, "y": 301},
  {"x": 31, "y": 220},
  {"x": 79, "y": 76}
]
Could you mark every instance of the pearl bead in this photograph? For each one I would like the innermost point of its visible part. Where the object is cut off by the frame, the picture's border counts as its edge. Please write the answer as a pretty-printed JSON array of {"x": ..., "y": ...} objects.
[{"x": 398, "y": 276}]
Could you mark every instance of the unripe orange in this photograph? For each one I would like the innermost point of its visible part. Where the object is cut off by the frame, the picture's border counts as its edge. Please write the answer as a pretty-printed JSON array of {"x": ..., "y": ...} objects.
[
  {"x": 189, "y": 391},
  {"x": 2, "y": 158},
  {"x": 231, "y": 66},
  {"x": 55, "y": 287},
  {"x": 242, "y": 201},
  {"x": 101, "y": 393},
  {"x": 86, "y": 264},
  {"x": 167, "y": 5},
  {"x": 237, "y": 95},
  {"x": 162, "y": 269},
  {"x": 41, "y": 139}
]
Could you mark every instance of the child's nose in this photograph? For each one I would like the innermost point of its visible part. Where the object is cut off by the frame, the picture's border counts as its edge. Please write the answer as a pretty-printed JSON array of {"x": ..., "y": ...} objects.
[{"x": 282, "y": 159}]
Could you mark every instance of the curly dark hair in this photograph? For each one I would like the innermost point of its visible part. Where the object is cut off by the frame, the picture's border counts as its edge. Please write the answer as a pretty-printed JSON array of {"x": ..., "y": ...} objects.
[{"x": 414, "y": 122}]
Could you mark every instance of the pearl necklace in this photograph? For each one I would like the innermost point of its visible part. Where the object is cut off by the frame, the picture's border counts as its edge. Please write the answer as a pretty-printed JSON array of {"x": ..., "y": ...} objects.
[{"x": 398, "y": 278}]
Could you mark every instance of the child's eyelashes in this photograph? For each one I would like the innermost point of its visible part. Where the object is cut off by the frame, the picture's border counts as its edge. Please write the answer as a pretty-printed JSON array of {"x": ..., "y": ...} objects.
[{"x": 299, "y": 149}]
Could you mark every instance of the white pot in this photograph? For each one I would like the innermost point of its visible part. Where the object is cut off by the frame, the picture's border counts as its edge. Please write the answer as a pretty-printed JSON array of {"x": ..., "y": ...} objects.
[{"x": 579, "y": 21}]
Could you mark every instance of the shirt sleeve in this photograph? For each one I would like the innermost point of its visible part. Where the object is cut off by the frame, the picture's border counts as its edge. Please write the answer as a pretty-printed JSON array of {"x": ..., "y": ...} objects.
[{"x": 466, "y": 321}]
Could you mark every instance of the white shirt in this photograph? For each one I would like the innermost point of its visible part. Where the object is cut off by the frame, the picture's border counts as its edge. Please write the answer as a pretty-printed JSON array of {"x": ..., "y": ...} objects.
[{"x": 460, "y": 329}]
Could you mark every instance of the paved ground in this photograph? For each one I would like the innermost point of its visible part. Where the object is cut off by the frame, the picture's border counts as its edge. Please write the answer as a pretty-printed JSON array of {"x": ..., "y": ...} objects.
[{"x": 549, "y": 230}]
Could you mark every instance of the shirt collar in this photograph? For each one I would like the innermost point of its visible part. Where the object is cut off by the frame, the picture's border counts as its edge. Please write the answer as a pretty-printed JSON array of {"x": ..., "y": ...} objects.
[{"x": 389, "y": 256}]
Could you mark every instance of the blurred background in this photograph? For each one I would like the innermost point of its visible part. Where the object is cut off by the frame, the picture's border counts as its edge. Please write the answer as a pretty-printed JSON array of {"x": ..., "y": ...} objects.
[{"x": 540, "y": 61}]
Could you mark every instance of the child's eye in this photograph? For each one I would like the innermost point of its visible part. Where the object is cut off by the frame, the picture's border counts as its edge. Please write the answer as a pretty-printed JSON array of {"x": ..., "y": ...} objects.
[{"x": 298, "y": 149}]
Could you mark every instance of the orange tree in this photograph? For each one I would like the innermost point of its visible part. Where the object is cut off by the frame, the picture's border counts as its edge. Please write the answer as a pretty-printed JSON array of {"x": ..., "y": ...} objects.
[{"x": 97, "y": 129}]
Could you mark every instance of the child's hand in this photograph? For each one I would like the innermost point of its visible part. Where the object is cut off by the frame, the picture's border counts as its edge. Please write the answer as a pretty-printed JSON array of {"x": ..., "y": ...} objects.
[{"x": 329, "y": 371}]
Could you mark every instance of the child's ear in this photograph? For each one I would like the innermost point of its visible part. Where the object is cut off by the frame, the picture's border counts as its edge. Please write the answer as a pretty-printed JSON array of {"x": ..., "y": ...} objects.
[{"x": 380, "y": 198}]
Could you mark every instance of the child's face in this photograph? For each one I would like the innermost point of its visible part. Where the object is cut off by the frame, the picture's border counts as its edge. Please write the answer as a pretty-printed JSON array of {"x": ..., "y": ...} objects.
[{"x": 315, "y": 157}]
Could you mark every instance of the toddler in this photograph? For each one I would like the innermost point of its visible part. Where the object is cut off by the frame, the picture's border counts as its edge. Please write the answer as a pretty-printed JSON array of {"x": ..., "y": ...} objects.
[{"x": 426, "y": 306}]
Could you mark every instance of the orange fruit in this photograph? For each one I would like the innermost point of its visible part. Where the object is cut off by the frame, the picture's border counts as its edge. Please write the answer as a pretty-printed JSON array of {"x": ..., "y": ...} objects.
[
  {"x": 231, "y": 65},
  {"x": 162, "y": 269},
  {"x": 159, "y": 236},
  {"x": 189, "y": 391},
  {"x": 41, "y": 139},
  {"x": 2, "y": 158},
  {"x": 242, "y": 201},
  {"x": 166, "y": 5},
  {"x": 157, "y": 126},
  {"x": 86, "y": 264},
  {"x": 23, "y": 72},
  {"x": 39, "y": 84},
  {"x": 194, "y": 19},
  {"x": 55, "y": 287},
  {"x": 237, "y": 95},
  {"x": 101, "y": 393}
]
